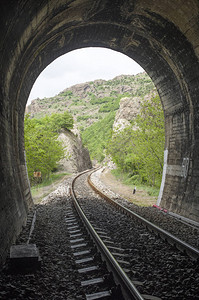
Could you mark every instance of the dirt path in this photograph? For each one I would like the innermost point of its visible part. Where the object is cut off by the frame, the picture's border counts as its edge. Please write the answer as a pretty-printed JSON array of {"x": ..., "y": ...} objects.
[
  {"x": 42, "y": 192},
  {"x": 141, "y": 197}
]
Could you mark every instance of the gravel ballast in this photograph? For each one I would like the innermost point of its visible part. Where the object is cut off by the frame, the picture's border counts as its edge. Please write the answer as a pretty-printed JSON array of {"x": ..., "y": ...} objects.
[
  {"x": 58, "y": 277},
  {"x": 162, "y": 270},
  {"x": 186, "y": 232}
]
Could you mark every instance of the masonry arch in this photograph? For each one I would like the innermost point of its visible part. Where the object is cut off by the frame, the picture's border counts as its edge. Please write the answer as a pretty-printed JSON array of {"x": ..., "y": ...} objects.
[{"x": 161, "y": 36}]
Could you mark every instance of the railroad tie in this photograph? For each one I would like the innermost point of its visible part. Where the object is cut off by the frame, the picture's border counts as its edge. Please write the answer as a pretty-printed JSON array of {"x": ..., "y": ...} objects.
[
  {"x": 116, "y": 248},
  {"x": 70, "y": 219},
  {"x": 92, "y": 281},
  {"x": 108, "y": 242},
  {"x": 137, "y": 283},
  {"x": 123, "y": 262},
  {"x": 71, "y": 224},
  {"x": 76, "y": 235},
  {"x": 150, "y": 297},
  {"x": 80, "y": 253},
  {"x": 97, "y": 228},
  {"x": 70, "y": 214},
  {"x": 103, "y": 236},
  {"x": 84, "y": 260},
  {"x": 101, "y": 232},
  {"x": 126, "y": 270},
  {"x": 88, "y": 269},
  {"x": 79, "y": 245},
  {"x": 74, "y": 231},
  {"x": 98, "y": 295},
  {"x": 73, "y": 241},
  {"x": 73, "y": 227},
  {"x": 119, "y": 254}
]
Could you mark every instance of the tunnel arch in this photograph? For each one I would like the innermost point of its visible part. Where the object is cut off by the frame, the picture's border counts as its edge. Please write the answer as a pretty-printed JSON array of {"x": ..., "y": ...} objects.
[{"x": 162, "y": 37}]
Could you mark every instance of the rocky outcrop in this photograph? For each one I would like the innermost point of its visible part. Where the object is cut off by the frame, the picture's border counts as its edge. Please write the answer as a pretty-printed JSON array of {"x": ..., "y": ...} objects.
[
  {"x": 87, "y": 98},
  {"x": 34, "y": 107},
  {"x": 77, "y": 157},
  {"x": 128, "y": 110}
]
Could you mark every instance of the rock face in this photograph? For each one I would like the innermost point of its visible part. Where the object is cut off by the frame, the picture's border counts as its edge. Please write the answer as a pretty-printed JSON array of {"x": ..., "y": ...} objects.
[
  {"x": 86, "y": 100},
  {"x": 77, "y": 157},
  {"x": 34, "y": 107},
  {"x": 128, "y": 110}
]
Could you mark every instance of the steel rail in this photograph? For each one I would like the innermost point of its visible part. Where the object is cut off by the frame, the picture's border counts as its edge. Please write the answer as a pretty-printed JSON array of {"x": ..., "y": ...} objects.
[
  {"x": 181, "y": 245},
  {"x": 129, "y": 290}
]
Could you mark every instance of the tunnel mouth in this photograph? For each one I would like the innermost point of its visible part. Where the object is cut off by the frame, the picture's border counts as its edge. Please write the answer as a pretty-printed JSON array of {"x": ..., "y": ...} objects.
[
  {"x": 121, "y": 85},
  {"x": 151, "y": 45}
]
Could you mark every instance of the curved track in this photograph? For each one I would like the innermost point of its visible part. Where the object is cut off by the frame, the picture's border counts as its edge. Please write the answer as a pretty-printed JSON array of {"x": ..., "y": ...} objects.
[
  {"x": 155, "y": 267},
  {"x": 129, "y": 290}
]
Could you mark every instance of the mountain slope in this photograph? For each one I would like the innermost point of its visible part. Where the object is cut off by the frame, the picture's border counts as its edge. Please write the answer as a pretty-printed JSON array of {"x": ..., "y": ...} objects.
[{"x": 92, "y": 101}]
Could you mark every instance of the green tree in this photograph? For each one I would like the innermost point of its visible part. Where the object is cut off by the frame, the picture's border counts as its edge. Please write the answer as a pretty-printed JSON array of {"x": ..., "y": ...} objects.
[
  {"x": 139, "y": 148},
  {"x": 57, "y": 121},
  {"x": 43, "y": 150}
]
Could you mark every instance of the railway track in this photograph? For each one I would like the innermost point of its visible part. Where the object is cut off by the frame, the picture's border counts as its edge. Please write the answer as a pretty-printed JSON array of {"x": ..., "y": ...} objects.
[
  {"x": 187, "y": 231},
  {"x": 114, "y": 277},
  {"x": 181, "y": 245},
  {"x": 149, "y": 267}
]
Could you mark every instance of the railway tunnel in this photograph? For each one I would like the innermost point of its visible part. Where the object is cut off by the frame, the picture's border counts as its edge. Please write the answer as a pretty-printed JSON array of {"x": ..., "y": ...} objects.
[{"x": 162, "y": 36}]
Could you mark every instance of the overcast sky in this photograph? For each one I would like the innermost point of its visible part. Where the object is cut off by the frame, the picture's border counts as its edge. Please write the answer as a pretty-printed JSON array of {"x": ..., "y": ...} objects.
[{"x": 80, "y": 66}]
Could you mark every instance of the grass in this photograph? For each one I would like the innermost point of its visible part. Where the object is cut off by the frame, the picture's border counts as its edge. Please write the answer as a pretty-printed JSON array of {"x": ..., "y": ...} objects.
[{"x": 125, "y": 179}]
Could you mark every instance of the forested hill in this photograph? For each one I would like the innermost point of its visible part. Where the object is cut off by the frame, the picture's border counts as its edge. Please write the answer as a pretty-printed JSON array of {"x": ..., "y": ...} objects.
[{"x": 92, "y": 101}]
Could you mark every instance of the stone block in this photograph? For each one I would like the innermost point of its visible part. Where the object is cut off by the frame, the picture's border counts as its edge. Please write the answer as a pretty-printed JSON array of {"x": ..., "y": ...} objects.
[{"x": 24, "y": 258}]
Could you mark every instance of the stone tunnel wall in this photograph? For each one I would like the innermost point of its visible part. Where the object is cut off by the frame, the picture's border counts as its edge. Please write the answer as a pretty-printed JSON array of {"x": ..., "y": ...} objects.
[{"x": 162, "y": 36}]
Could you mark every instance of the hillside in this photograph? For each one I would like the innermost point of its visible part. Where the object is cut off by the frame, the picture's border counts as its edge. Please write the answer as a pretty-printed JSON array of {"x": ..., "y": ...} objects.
[
  {"x": 97, "y": 136},
  {"x": 92, "y": 101},
  {"x": 98, "y": 106}
]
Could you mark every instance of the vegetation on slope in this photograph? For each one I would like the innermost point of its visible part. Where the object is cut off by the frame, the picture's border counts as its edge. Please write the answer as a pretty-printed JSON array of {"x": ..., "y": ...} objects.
[
  {"x": 138, "y": 149},
  {"x": 92, "y": 101},
  {"x": 137, "y": 153},
  {"x": 97, "y": 135},
  {"x": 43, "y": 150}
]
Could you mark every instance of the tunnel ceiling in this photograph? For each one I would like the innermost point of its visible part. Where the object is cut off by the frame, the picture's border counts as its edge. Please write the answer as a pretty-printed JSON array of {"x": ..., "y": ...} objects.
[{"x": 162, "y": 36}]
